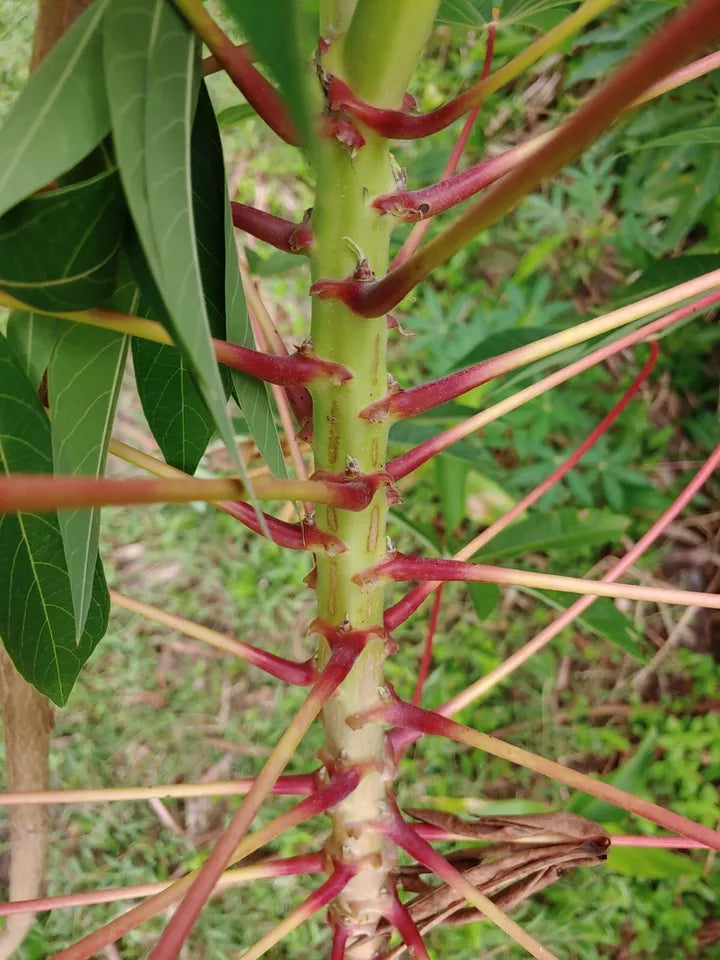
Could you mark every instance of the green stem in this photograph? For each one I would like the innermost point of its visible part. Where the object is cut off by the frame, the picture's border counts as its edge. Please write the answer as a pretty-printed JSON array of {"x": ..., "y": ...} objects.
[{"x": 344, "y": 223}]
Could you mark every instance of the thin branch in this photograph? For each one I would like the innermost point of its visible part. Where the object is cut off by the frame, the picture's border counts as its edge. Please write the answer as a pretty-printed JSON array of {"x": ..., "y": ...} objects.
[
  {"x": 300, "y": 784},
  {"x": 399, "y": 917},
  {"x": 400, "y": 125},
  {"x": 265, "y": 870},
  {"x": 261, "y": 96},
  {"x": 402, "y": 567},
  {"x": 344, "y": 654},
  {"x": 318, "y": 899},
  {"x": 297, "y": 674},
  {"x": 437, "y": 835},
  {"x": 408, "y": 462},
  {"x": 486, "y": 683},
  {"x": 426, "y": 721},
  {"x": 23, "y": 493},
  {"x": 691, "y": 29},
  {"x": 427, "y": 651},
  {"x": 421, "y": 205},
  {"x": 297, "y": 370},
  {"x": 298, "y": 397},
  {"x": 418, "y": 848},
  {"x": 281, "y": 234},
  {"x": 405, "y": 607},
  {"x": 325, "y": 798},
  {"x": 419, "y": 399},
  {"x": 416, "y": 235},
  {"x": 294, "y": 536}
]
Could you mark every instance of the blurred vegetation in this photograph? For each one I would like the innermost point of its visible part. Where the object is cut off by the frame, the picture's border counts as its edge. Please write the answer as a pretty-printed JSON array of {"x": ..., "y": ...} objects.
[{"x": 628, "y": 218}]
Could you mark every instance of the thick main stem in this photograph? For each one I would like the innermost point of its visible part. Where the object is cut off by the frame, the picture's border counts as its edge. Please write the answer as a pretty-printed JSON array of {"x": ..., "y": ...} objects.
[{"x": 346, "y": 229}]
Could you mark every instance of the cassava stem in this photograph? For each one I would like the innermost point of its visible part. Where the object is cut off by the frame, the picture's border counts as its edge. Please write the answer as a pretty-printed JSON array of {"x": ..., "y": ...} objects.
[{"x": 376, "y": 58}]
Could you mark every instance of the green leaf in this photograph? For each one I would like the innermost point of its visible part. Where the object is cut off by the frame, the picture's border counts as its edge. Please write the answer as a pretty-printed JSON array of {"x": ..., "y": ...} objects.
[
  {"x": 485, "y": 597},
  {"x": 32, "y": 337},
  {"x": 173, "y": 408},
  {"x": 630, "y": 776},
  {"x": 37, "y": 622},
  {"x": 501, "y": 342},
  {"x": 652, "y": 863},
  {"x": 683, "y": 138},
  {"x": 152, "y": 75},
  {"x": 84, "y": 378},
  {"x": 601, "y": 618},
  {"x": 58, "y": 250},
  {"x": 61, "y": 114},
  {"x": 276, "y": 264},
  {"x": 235, "y": 114},
  {"x": 562, "y": 529},
  {"x": 281, "y": 38},
  {"x": 664, "y": 274},
  {"x": 450, "y": 482}
]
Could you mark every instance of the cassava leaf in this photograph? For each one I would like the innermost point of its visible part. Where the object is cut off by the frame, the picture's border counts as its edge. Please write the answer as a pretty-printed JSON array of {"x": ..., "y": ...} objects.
[
  {"x": 32, "y": 337},
  {"x": 451, "y": 482},
  {"x": 37, "y": 622},
  {"x": 58, "y": 249},
  {"x": 559, "y": 530},
  {"x": 630, "y": 776},
  {"x": 60, "y": 116},
  {"x": 602, "y": 618},
  {"x": 484, "y": 597},
  {"x": 281, "y": 37},
  {"x": 84, "y": 378},
  {"x": 235, "y": 114},
  {"x": 152, "y": 75}
]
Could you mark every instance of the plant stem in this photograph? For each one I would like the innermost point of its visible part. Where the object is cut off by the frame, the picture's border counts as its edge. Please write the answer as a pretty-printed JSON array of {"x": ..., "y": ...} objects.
[
  {"x": 484, "y": 684},
  {"x": 22, "y": 493},
  {"x": 298, "y": 674},
  {"x": 426, "y": 721},
  {"x": 298, "y": 370},
  {"x": 401, "y": 125},
  {"x": 689, "y": 30},
  {"x": 282, "y": 234},
  {"x": 405, "y": 607},
  {"x": 379, "y": 58},
  {"x": 410, "y": 403},
  {"x": 425, "y": 203},
  {"x": 343, "y": 656},
  {"x": 249, "y": 81},
  {"x": 407, "y": 462},
  {"x": 316, "y": 901},
  {"x": 293, "y": 536},
  {"x": 325, "y": 797},
  {"x": 266, "y": 870},
  {"x": 296, "y": 785}
]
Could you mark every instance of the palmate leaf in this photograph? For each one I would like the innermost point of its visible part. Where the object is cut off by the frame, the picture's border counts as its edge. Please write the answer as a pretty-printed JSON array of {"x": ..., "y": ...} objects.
[
  {"x": 479, "y": 12},
  {"x": 58, "y": 250},
  {"x": 60, "y": 116},
  {"x": 152, "y": 75},
  {"x": 37, "y": 621}
]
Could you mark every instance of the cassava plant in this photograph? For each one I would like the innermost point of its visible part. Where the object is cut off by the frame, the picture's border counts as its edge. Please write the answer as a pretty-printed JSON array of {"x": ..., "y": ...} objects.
[{"x": 116, "y": 234}]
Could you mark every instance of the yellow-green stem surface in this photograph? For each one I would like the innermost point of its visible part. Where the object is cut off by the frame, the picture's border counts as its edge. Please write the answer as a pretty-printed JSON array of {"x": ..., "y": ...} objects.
[{"x": 346, "y": 228}]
